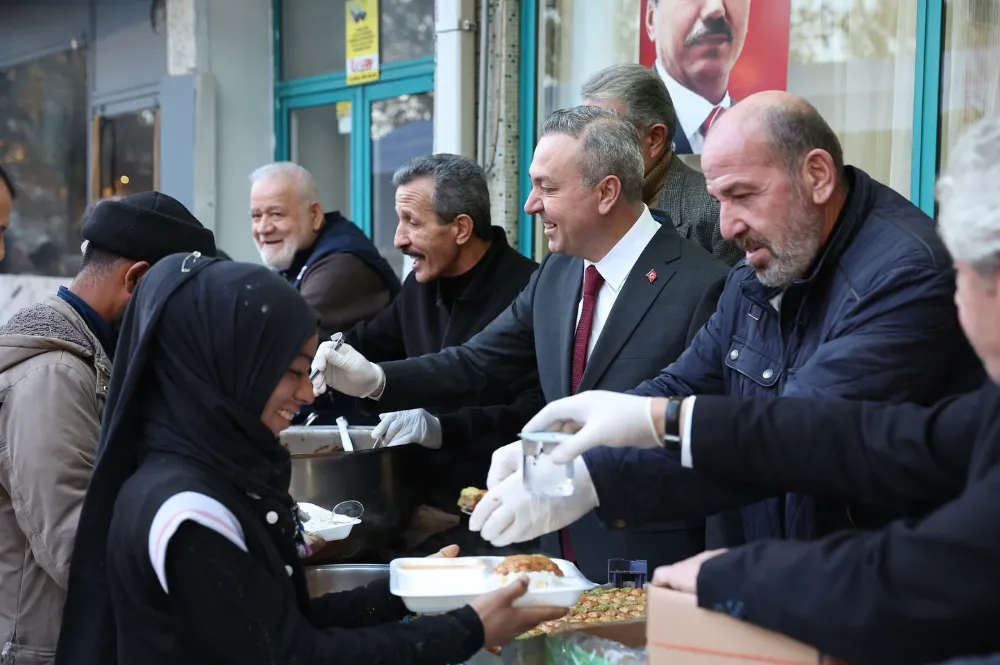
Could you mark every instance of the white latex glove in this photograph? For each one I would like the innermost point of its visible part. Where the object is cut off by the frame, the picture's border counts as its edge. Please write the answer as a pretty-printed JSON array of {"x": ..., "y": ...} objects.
[
  {"x": 347, "y": 371},
  {"x": 509, "y": 513},
  {"x": 604, "y": 418},
  {"x": 506, "y": 461},
  {"x": 413, "y": 426}
]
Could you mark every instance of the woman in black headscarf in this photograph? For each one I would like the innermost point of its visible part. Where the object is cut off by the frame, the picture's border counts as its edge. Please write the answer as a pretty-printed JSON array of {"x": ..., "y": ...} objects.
[{"x": 188, "y": 546}]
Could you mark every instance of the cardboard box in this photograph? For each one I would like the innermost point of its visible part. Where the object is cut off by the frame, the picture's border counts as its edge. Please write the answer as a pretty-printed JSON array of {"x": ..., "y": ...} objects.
[{"x": 678, "y": 632}]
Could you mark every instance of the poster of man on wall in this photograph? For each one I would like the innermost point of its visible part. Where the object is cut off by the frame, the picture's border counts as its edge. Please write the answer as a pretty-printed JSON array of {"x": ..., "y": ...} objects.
[{"x": 711, "y": 53}]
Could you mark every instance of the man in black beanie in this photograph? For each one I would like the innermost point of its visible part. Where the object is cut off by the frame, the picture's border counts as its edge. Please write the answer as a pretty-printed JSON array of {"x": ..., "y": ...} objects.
[{"x": 55, "y": 364}]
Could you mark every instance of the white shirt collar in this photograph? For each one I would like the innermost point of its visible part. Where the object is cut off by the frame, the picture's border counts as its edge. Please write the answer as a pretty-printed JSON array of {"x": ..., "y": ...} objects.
[
  {"x": 692, "y": 109},
  {"x": 617, "y": 264}
]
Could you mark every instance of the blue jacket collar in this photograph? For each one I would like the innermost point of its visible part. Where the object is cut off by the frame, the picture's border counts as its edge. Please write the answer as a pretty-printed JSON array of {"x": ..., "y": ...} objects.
[{"x": 102, "y": 330}]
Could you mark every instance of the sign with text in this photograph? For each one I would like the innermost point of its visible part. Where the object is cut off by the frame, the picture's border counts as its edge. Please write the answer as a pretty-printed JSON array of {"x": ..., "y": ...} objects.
[{"x": 362, "y": 41}]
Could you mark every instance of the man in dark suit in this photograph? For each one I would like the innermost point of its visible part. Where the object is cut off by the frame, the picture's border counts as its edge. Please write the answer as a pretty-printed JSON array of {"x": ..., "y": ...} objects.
[
  {"x": 621, "y": 296},
  {"x": 672, "y": 189},
  {"x": 697, "y": 43}
]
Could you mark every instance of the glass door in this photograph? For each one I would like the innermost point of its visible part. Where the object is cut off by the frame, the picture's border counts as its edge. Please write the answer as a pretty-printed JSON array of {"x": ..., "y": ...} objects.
[
  {"x": 401, "y": 127},
  {"x": 353, "y": 140}
]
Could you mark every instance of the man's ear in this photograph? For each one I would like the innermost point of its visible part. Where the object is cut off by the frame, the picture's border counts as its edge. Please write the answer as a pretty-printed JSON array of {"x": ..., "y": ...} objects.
[
  {"x": 134, "y": 274},
  {"x": 464, "y": 229},
  {"x": 316, "y": 216}
]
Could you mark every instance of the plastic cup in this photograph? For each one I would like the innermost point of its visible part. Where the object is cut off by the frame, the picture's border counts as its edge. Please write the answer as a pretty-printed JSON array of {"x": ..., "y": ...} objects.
[{"x": 542, "y": 476}]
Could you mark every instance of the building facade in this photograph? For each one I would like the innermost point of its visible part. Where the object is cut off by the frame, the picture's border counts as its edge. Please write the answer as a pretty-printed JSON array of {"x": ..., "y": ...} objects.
[{"x": 104, "y": 97}]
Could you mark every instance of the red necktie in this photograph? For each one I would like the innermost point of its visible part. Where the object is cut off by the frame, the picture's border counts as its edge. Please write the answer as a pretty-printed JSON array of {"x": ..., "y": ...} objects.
[
  {"x": 710, "y": 120},
  {"x": 592, "y": 282}
]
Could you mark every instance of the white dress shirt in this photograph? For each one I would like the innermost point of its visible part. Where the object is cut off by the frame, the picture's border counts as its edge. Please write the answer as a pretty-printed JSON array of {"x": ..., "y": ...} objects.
[
  {"x": 615, "y": 268},
  {"x": 692, "y": 109}
]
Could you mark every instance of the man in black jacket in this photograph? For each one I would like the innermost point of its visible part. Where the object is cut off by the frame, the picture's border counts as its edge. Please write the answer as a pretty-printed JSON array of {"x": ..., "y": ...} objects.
[
  {"x": 922, "y": 589},
  {"x": 464, "y": 275}
]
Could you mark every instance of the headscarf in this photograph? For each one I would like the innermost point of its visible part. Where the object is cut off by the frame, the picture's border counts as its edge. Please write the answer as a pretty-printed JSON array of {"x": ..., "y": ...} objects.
[{"x": 204, "y": 342}]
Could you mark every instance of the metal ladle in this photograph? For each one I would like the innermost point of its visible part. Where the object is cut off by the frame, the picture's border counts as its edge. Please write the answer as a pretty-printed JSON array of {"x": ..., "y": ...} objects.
[
  {"x": 351, "y": 509},
  {"x": 338, "y": 341}
]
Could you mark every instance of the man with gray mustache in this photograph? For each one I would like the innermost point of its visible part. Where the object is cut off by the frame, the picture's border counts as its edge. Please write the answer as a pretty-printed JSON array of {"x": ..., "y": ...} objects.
[{"x": 697, "y": 43}]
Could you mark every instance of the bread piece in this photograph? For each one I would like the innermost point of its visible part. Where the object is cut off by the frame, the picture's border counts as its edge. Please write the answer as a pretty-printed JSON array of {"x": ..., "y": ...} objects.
[
  {"x": 470, "y": 498},
  {"x": 527, "y": 563}
]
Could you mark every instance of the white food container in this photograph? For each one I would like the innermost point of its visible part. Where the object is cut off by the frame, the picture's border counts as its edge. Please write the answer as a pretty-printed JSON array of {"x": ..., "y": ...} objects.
[
  {"x": 442, "y": 585},
  {"x": 337, "y": 529}
]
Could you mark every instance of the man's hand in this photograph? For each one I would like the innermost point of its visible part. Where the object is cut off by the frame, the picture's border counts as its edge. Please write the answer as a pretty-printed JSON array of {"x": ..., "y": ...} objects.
[
  {"x": 509, "y": 513},
  {"x": 603, "y": 418},
  {"x": 506, "y": 461},
  {"x": 446, "y": 552},
  {"x": 347, "y": 371},
  {"x": 502, "y": 622},
  {"x": 683, "y": 575},
  {"x": 413, "y": 426}
]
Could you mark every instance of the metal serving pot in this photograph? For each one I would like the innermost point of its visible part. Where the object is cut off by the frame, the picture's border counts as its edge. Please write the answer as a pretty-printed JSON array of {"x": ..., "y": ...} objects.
[
  {"x": 343, "y": 577},
  {"x": 383, "y": 480}
]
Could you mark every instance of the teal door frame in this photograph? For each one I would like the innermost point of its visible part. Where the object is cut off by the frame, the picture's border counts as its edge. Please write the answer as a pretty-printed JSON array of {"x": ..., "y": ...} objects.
[
  {"x": 926, "y": 108},
  {"x": 410, "y": 77},
  {"x": 527, "y": 111},
  {"x": 927, "y": 103}
]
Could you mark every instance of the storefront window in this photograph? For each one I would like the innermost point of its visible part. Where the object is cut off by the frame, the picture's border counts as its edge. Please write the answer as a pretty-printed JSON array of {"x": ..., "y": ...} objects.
[
  {"x": 43, "y": 141},
  {"x": 313, "y": 34},
  {"x": 128, "y": 153},
  {"x": 970, "y": 87},
  {"x": 853, "y": 59}
]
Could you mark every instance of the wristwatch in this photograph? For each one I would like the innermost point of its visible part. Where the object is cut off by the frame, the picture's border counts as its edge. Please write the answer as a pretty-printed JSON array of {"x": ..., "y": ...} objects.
[{"x": 672, "y": 424}]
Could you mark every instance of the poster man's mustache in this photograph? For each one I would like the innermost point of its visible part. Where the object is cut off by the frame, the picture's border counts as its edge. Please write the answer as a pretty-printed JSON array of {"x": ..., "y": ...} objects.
[{"x": 711, "y": 27}]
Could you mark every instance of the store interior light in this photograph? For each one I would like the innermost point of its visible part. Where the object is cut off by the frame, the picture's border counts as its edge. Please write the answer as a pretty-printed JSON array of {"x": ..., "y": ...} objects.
[{"x": 124, "y": 179}]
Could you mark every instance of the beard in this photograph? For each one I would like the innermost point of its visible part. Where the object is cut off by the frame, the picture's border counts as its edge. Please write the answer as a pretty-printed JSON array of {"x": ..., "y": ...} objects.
[
  {"x": 794, "y": 251},
  {"x": 277, "y": 257}
]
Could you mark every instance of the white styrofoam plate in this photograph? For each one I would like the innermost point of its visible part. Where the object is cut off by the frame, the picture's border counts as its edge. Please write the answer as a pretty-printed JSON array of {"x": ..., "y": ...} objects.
[
  {"x": 338, "y": 530},
  {"x": 442, "y": 585}
]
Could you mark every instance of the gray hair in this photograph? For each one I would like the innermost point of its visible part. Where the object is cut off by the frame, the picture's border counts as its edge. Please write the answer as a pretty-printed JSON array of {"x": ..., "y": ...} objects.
[
  {"x": 794, "y": 130},
  {"x": 610, "y": 146},
  {"x": 969, "y": 216},
  {"x": 304, "y": 182},
  {"x": 640, "y": 90},
  {"x": 459, "y": 188}
]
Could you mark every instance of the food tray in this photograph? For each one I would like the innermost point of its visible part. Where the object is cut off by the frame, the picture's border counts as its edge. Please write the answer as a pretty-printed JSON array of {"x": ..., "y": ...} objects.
[
  {"x": 335, "y": 531},
  {"x": 442, "y": 585}
]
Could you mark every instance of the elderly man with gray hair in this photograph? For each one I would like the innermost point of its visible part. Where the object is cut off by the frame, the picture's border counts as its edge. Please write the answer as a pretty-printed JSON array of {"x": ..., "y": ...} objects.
[
  {"x": 620, "y": 297},
  {"x": 673, "y": 190},
  {"x": 338, "y": 270}
]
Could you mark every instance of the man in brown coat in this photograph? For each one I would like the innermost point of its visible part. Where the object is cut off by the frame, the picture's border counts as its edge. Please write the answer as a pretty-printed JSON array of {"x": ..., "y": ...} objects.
[
  {"x": 671, "y": 189},
  {"x": 55, "y": 364},
  {"x": 327, "y": 258}
]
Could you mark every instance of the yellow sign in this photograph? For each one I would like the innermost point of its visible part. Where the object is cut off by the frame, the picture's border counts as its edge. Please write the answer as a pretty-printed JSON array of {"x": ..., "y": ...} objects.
[{"x": 362, "y": 41}]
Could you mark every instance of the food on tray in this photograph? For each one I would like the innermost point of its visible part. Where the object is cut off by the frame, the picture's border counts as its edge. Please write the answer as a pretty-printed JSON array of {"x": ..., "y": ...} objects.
[
  {"x": 527, "y": 563},
  {"x": 470, "y": 498},
  {"x": 316, "y": 519},
  {"x": 599, "y": 605},
  {"x": 540, "y": 570}
]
